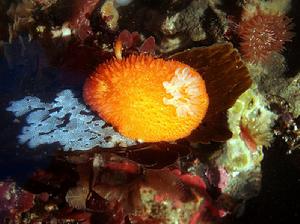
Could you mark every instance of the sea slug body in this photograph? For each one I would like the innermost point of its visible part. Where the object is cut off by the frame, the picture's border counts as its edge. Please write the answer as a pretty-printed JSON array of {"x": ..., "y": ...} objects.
[{"x": 147, "y": 98}]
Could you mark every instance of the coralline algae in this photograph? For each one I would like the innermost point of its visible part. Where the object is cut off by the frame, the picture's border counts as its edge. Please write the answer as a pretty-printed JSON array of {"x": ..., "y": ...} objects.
[{"x": 66, "y": 121}]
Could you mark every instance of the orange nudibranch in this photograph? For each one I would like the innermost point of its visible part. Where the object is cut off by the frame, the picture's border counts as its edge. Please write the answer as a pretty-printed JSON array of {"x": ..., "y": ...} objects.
[
  {"x": 146, "y": 98},
  {"x": 118, "y": 49},
  {"x": 151, "y": 99}
]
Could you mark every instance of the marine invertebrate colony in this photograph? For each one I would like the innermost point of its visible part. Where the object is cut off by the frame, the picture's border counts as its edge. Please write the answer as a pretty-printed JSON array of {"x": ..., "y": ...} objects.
[
  {"x": 65, "y": 121},
  {"x": 148, "y": 99},
  {"x": 263, "y": 34}
]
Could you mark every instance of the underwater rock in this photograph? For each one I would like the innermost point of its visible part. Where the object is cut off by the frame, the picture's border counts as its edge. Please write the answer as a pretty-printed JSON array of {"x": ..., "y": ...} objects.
[
  {"x": 45, "y": 4},
  {"x": 168, "y": 209},
  {"x": 199, "y": 21},
  {"x": 21, "y": 15},
  {"x": 188, "y": 20},
  {"x": 291, "y": 94},
  {"x": 165, "y": 209},
  {"x": 66, "y": 121},
  {"x": 270, "y": 6},
  {"x": 287, "y": 126},
  {"x": 272, "y": 71}
]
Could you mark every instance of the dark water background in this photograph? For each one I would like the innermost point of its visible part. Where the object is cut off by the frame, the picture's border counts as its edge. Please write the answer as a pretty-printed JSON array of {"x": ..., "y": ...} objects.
[{"x": 278, "y": 201}]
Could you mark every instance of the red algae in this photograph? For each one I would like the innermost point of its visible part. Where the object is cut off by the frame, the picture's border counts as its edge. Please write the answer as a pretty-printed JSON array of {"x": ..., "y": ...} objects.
[
  {"x": 264, "y": 34},
  {"x": 14, "y": 200},
  {"x": 80, "y": 19},
  {"x": 133, "y": 42},
  {"x": 148, "y": 46}
]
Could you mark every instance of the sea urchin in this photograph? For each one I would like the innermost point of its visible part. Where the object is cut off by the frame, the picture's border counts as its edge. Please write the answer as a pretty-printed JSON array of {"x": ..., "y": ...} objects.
[{"x": 264, "y": 34}]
